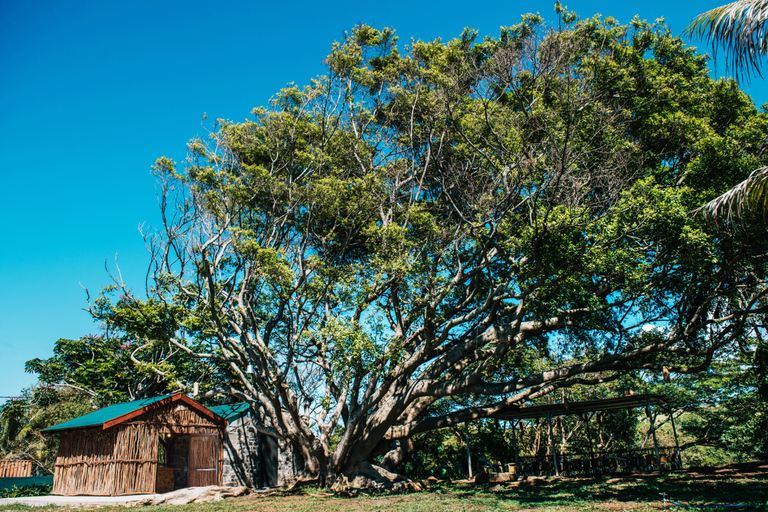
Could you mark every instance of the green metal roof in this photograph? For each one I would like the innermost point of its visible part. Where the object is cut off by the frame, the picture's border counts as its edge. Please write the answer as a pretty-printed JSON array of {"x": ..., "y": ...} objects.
[
  {"x": 231, "y": 412},
  {"x": 106, "y": 414}
]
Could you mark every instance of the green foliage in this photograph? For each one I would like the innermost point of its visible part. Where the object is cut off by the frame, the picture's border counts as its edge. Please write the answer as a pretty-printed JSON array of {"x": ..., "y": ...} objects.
[
  {"x": 731, "y": 415},
  {"x": 40, "y": 407},
  {"x": 132, "y": 358},
  {"x": 720, "y": 414},
  {"x": 439, "y": 453},
  {"x": 739, "y": 27},
  {"x": 26, "y": 490}
]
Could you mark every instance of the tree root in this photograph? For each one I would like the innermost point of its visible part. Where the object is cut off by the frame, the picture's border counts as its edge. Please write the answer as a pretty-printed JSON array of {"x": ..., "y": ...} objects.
[
  {"x": 366, "y": 477},
  {"x": 195, "y": 495}
]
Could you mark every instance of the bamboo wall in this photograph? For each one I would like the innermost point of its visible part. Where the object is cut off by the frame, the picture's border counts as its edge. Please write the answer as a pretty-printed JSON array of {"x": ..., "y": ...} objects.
[
  {"x": 122, "y": 460},
  {"x": 178, "y": 418},
  {"x": 15, "y": 468}
]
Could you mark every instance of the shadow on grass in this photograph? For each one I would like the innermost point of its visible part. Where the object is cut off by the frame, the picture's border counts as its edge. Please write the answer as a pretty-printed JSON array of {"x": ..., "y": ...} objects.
[{"x": 731, "y": 485}]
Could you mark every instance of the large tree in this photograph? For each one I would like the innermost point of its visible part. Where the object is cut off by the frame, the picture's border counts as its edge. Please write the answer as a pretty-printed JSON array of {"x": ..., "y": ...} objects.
[{"x": 409, "y": 227}]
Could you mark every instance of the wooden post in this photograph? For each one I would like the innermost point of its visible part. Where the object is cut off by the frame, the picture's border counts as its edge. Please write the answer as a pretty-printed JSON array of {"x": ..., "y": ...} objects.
[
  {"x": 469, "y": 454},
  {"x": 653, "y": 431},
  {"x": 591, "y": 443},
  {"x": 514, "y": 445},
  {"x": 552, "y": 442},
  {"x": 677, "y": 444}
]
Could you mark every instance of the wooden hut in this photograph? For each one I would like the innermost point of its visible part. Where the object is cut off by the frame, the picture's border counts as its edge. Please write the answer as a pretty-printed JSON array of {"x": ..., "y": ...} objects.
[{"x": 143, "y": 447}]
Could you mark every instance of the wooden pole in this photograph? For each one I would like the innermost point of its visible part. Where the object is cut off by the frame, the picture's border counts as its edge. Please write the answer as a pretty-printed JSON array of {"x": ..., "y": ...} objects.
[
  {"x": 469, "y": 453},
  {"x": 552, "y": 442},
  {"x": 587, "y": 417},
  {"x": 677, "y": 444},
  {"x": 653, "y": 431}
]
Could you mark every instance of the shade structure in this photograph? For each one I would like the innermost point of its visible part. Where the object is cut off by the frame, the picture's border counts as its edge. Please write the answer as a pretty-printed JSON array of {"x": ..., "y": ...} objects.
[
  {"x": 550, "y": 411},
  {"x": 585, "y": 406}
]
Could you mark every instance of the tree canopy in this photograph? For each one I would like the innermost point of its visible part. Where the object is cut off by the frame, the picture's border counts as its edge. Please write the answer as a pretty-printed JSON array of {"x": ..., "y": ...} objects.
[{"x": 433, "y": 221}]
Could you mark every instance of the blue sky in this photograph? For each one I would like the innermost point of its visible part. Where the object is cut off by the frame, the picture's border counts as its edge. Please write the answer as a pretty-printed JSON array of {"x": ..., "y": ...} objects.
[{"x": 93, "y": 92}]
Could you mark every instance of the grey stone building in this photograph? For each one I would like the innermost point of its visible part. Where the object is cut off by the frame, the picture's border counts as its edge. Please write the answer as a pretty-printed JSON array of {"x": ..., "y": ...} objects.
[{"x": 254, "y": 455}]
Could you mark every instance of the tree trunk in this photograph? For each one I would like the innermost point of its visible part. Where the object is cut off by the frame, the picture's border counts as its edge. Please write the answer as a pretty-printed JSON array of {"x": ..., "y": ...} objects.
[{"x": 399, "y": 454}]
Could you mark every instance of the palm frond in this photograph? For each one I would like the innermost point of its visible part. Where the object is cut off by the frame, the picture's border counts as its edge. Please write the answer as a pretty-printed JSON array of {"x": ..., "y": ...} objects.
[
  {"x": 741, "y": 29},
  {"x": 749, "y": 195}
]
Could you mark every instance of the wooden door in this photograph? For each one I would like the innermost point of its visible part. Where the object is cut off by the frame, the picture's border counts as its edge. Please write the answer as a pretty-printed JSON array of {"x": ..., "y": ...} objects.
[{"x": 203, "y": 460}]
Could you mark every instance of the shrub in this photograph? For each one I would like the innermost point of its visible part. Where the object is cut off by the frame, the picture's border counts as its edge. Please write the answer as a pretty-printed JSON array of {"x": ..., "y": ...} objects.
[{"x": 20, "y": 491}]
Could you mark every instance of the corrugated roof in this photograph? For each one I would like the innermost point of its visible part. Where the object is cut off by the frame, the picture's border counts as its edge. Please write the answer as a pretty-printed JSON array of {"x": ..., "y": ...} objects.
[
  {"x": 231, "y": 412},
  {"x": 106, "y": 414}
]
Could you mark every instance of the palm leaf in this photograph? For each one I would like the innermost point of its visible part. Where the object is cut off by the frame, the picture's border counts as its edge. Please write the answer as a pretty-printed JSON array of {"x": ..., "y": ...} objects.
[
  {"x": 740, "y": 28},
  {"x": 749, "y": 195}
]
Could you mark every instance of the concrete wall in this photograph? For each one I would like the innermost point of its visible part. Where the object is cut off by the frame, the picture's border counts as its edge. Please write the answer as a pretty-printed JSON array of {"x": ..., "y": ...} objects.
[
  {"x": 242, "y": 464},
  {"x": 288, "y": 467},
  {"x": 241, "y": 447}
]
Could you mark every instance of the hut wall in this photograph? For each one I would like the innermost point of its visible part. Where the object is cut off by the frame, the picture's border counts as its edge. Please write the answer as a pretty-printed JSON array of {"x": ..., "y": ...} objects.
[
  {"x": 288, "y": 466},
  {"x": 242, "y": 456},
  {"x": 179, "y": 418},
  {"x": 114, "y": 462}
]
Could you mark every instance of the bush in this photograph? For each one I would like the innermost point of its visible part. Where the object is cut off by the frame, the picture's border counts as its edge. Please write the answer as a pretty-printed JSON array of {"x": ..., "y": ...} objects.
[{"x": 20, "y": 491}]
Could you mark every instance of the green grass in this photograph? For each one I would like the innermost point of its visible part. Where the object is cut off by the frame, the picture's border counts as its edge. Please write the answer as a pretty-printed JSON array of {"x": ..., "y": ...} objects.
[{"x": 636, "y": 493}]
